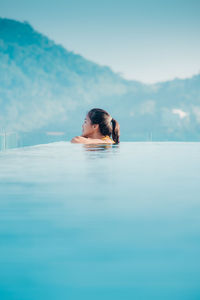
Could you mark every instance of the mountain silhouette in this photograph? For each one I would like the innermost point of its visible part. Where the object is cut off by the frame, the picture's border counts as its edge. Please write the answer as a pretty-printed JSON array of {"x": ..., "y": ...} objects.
[{"x": 45, "y": 88}]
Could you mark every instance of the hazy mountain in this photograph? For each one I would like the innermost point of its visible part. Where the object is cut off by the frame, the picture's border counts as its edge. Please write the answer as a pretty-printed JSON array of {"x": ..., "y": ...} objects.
[{"x": 45, "y": 88}]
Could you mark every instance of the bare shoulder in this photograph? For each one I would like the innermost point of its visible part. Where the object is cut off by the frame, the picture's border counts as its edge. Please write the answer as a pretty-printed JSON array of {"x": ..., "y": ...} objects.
[
  {"x": 79, "y": 140},
  {"x": 83, "y": 140},
  {"x": 99, "y": 141}
]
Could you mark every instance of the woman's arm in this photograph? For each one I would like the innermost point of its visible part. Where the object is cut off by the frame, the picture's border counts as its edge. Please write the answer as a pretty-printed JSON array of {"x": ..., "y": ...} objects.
[
  {"x": 83, "y": 140},
  {"x": 79, "y": 139}
]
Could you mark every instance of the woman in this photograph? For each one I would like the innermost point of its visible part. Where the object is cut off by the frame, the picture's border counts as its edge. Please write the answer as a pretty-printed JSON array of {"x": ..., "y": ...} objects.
[{"x": 97, "y": 128}]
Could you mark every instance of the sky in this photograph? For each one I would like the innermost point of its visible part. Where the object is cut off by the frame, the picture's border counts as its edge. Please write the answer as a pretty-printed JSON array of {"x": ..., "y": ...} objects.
[{"x": 145, "y": 40}]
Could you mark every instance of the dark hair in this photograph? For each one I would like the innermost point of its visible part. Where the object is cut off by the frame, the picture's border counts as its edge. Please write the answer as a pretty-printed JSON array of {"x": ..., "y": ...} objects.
[{"x": 107, "y": 125}]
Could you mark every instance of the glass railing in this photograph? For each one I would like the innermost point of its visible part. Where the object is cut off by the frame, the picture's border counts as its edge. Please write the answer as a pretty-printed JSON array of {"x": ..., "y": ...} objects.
[{"x": 10, "y": 139}]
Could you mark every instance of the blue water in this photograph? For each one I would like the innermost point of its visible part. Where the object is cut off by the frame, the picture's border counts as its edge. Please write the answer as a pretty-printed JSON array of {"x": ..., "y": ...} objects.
[{"x": 106, "y": 222}]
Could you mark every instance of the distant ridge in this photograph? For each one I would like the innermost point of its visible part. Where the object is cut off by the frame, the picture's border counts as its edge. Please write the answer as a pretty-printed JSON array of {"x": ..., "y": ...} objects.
[{"x": 46, "y": 88}]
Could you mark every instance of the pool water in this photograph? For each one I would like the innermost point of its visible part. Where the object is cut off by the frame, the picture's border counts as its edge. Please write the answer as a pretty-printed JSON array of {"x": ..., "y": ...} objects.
[{"x": 100, "y": 222}]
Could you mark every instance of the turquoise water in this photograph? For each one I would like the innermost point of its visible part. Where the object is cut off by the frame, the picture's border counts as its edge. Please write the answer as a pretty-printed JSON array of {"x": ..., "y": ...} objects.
[{"x": 106, "y": 222}]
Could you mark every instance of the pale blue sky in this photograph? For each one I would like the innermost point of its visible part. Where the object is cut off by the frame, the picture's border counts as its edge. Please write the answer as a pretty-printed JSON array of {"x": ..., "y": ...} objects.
[{"x": 145, "y": 40}]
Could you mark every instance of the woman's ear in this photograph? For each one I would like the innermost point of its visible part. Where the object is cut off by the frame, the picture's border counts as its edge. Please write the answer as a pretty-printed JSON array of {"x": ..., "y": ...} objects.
[{"x": 96, "y": 126}]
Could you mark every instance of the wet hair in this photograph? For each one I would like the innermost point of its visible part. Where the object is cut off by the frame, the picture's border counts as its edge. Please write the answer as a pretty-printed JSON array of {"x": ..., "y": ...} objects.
[{"x": 107, "y": 125}]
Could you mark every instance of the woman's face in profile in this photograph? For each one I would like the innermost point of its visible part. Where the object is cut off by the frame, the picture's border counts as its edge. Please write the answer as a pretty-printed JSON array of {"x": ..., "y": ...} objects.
[{"x": 87, "y": 128}]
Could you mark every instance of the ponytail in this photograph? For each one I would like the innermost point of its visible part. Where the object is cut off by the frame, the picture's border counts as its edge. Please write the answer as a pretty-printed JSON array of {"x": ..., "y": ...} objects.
[{"x": 115, "y": 131}]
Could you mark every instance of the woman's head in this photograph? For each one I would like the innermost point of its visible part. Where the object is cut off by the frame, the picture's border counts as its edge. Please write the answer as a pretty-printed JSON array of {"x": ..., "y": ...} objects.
[{"x": 105, "y": 124}]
